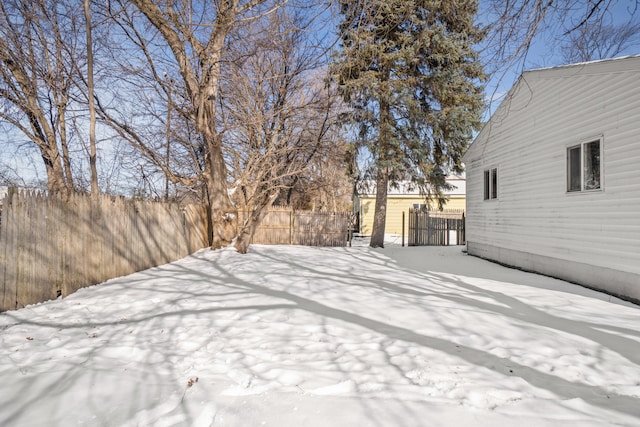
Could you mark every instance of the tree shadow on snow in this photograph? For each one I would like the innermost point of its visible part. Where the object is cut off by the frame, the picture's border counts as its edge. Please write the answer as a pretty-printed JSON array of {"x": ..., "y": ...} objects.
[{"x": 209, "y": 287}]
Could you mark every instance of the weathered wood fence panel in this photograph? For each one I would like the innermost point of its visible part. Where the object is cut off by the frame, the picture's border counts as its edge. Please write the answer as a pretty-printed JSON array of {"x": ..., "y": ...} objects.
[
  {"x": 439, "y": 228},
  {"x": 50, "y": 246},
  {"x": 285, "y": 226},
  {"x": 274, "y": 229},
  {"x": 320, "y": 228}
]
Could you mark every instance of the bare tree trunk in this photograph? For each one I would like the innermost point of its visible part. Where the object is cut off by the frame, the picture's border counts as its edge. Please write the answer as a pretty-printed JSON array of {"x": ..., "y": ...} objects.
[
  {"x": 66, "y": 156},
  {"x": 36, "y": 83},
  {"x": 223, "y": 214},
  {"x": 62, "y": 102},
  {"x": 55, "y": 174},
  {"x": 92, "y": 108},
  {"x": 251, "y": 223},
  {"x": 168, "y": 140},
  {"x": 201, "y": 82}
]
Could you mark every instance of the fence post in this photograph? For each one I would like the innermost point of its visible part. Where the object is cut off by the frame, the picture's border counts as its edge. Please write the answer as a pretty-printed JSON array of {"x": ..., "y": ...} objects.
[
  {"x": 291, "y": 225},
  {"x": 417, "y": 222},
  {"x": 403, "y": 229},
  {"x": 431, "y": 229},
  {"x": 447, "y": 232},
  {"x": 411, "y": 224}
]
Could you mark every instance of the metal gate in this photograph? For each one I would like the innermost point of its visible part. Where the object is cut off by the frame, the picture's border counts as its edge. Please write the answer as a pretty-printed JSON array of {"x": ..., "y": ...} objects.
[{"x": 436, "y": 228}]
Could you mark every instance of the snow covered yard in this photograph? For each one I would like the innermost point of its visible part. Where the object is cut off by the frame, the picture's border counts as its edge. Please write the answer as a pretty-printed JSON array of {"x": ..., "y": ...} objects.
[{"x": 300, "y": 336}]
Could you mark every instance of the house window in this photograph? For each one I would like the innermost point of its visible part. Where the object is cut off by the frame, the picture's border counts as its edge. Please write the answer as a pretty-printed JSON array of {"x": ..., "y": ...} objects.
[
  {"x": 494, "y": 183},
  {"x": 491, "y": 184},
  {"x": 583, "y": 166},
  {"x": 422, "y": 206}
]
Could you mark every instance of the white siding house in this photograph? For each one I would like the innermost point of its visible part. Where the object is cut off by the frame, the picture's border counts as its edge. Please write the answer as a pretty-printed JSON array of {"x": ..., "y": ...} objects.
[{"x": 553, "y": 179}]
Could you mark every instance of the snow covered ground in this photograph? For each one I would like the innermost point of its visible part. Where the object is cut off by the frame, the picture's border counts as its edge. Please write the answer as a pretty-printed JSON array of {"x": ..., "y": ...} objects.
[{"x": 300, "y": 336}]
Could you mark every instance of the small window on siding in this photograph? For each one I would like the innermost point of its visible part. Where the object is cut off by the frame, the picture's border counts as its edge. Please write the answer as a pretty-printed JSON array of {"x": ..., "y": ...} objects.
[
  {"x": 583, "y": 167},
  {"x": 486, "y": 185},
  {"x": 494, "y": 183},
  {"x": 491, "y": 184}
]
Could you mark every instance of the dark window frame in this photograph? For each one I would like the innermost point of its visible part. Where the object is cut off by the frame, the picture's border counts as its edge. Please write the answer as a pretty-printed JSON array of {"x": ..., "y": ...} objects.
[{"x": 491, "y": 184}]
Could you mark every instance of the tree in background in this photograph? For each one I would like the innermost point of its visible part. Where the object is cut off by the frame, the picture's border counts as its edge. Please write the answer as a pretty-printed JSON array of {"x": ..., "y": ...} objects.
[
  {"x": 514, "y": 25},
  {"x": 196, "y": 35},
  {"x": 93, "y": 152},
  {"x": 146, "y": 102},
  {"x": 47, "y": 82},
  {"x": 268, "y": 120},
  {"x": 10, "y": 177},
  {"x": 599, "y": 41},
  {"x": 44, "y": 84},
  {"x": 39, "y": 56},
  {"x": 326, "y": 184},
  {"x": 413, "y": 83},
  {"x": 277, "y": 112}
]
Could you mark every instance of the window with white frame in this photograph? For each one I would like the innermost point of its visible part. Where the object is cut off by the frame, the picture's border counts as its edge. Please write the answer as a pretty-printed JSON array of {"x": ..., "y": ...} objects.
[
  {"x": 583, "y": 166},
  {"x": 491, "y": 184}
]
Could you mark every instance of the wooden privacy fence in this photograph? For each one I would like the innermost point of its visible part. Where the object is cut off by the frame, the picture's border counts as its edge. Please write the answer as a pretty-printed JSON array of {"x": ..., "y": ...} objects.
[
  {"x": 436, "y": 228},
  {"x": 285, "y": 226},
  {"x": 320, "y": 228},
  {"x": 50, "y": 246}
]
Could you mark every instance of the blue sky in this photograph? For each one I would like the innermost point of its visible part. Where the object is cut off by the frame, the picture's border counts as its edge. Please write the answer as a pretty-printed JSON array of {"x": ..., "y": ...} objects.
[{"x": 545, "y": 52}]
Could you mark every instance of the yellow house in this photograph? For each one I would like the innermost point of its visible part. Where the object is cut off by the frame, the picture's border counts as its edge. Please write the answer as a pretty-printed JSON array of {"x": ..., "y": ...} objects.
[{"x": 400, "y": 200}]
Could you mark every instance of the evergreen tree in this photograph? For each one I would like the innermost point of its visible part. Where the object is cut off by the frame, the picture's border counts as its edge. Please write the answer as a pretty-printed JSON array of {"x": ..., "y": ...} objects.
[{"x": 408, "y": 72}]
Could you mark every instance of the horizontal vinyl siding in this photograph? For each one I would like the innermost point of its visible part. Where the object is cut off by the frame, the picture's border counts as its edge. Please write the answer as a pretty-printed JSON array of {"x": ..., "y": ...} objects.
[
  {"x": 367, "y": 209},
  {"x": 395, "y": 208},
  {"x": 533, "y": 212},
  {"x": 455, "y": 203}
]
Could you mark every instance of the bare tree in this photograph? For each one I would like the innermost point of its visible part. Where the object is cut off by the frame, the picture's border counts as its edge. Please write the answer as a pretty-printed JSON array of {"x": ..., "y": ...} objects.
[
  {"x": 224, "y": 90},
  {"x": 145, "y": 101},
  {"x": 326, "y": 184},
  {"x": 37, "y": 79},
  {"x": 514, "y": 25},
  {"x": 599, "y": 41},
  {"x": 277, "y": 111},
  {"x": 90, "y": 98},
  {"x": 9, "y": 177},
  {"x": 196, "y": 35}
]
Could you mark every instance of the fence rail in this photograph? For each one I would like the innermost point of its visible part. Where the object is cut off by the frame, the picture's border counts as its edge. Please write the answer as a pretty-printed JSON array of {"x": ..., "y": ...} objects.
[
  {"x": 50, "y": 246},
  {"x": 436, "y": 228}
]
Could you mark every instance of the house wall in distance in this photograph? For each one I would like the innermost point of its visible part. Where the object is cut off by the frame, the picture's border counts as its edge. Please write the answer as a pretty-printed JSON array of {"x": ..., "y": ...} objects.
[
  {"x": 592, "y": 238},
  {"x": 395, "y": 206}
]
